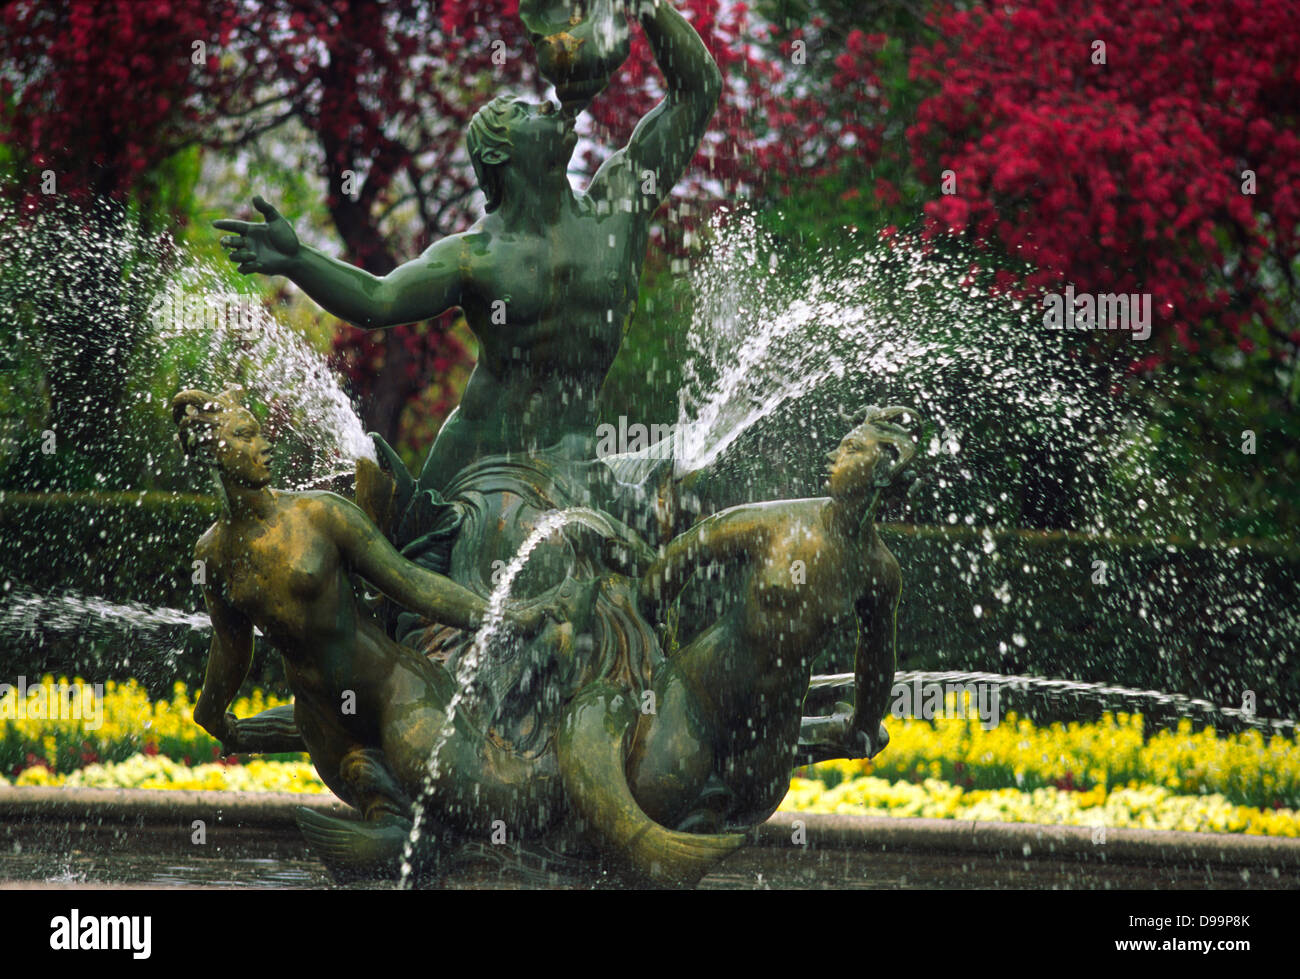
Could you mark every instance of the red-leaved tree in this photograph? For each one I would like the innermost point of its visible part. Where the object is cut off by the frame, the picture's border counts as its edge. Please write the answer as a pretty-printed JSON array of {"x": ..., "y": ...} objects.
[
  {"x": 97, "y": 92},
  {"x": 1125, "y": 148},
  {"x": 94, "y": 96}
]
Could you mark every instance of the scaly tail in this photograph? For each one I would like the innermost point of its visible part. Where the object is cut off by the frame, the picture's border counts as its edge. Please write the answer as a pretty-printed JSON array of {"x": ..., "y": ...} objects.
[
  {"x": 592, "y": 767},
  {"x": 355, "y": 850}
]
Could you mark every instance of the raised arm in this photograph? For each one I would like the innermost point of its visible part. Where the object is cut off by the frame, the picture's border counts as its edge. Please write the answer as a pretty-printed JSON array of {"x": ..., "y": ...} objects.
[
  {"x": 418, "y": 290},
  {"x": 666, "y": 138}
]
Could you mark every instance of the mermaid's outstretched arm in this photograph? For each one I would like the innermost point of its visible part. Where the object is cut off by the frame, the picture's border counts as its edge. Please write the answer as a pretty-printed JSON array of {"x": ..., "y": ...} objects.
[
  {"x": 723, "y": 536},
  {"x": 229, "y": 657},
  {"x": 434, "y": 596},
  {"x": 876, "y": 657}
]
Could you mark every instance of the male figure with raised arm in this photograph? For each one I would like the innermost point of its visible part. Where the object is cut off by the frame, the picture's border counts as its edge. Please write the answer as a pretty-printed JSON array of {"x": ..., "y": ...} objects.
[{"x": 547, "y": 279}]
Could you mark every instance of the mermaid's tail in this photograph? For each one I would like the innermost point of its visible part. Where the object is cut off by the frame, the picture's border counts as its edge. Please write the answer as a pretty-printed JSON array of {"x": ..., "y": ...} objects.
[
  {"x": 592, "y": 759},
  {"x": 370, "y": 849}
]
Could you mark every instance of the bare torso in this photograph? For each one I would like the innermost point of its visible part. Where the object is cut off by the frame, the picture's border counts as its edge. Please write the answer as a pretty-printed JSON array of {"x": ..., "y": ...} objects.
[
  {"x": 742, "y": 681},
  {"x": 354, "y": 687},
  {"x": 549, "y": 311},
  {"x": 327, "y": 641}
]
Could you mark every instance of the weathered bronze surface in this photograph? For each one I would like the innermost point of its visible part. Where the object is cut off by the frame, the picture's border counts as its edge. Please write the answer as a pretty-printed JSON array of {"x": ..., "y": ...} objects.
[
  {"x": 576, "y": 53},
  {"x": 614, "y": 718},
  {"x": 365, "y": 707},
  {"x": 547, "y": 280}
]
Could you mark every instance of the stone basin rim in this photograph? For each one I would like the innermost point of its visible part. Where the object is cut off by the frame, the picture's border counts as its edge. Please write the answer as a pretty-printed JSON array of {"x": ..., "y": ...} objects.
[{"x": 273, "y": 811}]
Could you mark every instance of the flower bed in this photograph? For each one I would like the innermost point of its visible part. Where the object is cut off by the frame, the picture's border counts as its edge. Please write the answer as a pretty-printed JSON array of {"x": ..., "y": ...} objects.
[
  {"x": 1134, "y": 806},
  {"x": 129, "y": 724},
  {"x": 1247, "y": 769},
  {"x": 160, "y": 772},
  {"x": 1107, "y": 773}
]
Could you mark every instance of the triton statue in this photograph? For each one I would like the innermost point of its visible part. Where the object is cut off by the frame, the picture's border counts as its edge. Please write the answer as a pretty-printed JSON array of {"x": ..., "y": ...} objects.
[
  {"x": 608, "y": 725},
  {"x": 547, "y": 279}
]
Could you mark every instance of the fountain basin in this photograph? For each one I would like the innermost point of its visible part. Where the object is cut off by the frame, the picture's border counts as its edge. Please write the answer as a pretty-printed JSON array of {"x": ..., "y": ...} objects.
[{"x": 138, "y": 837}]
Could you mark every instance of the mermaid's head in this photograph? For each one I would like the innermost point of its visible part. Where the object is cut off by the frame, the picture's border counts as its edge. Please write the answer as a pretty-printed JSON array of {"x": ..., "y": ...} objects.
[
  {"x": 220, "y": 429},
  {"x": 873, "y": 453}
]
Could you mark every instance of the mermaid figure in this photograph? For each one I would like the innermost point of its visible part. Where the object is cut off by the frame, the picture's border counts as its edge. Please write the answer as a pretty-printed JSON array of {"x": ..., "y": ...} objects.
[
  {"x": 718, "y": 750},
  {"x": 368, "y": 710}
]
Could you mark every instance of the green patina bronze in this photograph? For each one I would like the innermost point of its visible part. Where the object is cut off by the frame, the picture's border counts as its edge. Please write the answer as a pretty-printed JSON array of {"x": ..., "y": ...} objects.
[{"x": 604, "y": 726}]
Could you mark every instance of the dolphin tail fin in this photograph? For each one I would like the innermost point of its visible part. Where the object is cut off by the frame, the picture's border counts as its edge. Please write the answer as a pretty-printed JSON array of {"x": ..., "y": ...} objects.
[{"x": 592, "y": 766}]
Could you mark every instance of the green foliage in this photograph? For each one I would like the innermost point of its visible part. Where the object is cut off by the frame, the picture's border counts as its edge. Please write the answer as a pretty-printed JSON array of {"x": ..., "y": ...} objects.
[
  {"x": 122, "y": 548},
  {"x": 644, "y": 379},
  {"x": 1198, "y": 436},
  {"x": 814, "y": 209}
]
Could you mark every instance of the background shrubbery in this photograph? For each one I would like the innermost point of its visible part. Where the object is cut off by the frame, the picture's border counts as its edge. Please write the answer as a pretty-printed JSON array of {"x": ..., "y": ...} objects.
[{"x": 1125, "y": 176}]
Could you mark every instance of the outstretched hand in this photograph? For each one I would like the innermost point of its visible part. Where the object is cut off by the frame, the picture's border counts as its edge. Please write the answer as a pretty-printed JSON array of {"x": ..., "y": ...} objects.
[
  {"x": 841, "y": 734},
  {"x": 267, "y": 248}
]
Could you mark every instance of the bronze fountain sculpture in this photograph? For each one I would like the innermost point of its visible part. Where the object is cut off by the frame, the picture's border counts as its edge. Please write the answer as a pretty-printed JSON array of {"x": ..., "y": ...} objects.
[{"x": 601, "y": 721}]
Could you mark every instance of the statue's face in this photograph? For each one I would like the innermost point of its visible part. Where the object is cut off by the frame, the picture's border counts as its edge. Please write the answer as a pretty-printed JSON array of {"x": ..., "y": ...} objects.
[
  {"x": 853, "y": 465},
  {"x": 540, "y": 135},
  {"x": 871, "y": 455},
  {"x": 242, "y": 452}
]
